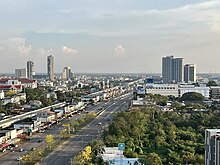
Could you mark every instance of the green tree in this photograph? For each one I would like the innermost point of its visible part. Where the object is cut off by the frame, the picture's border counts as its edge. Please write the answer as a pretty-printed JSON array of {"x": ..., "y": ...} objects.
[
  {"x": 50, "y": 141},
  {"x": 9, "y": 105},
  {"x": 97, "y": 146},
  {"x": 10, "y": 93},
  {"x": 64, "y": 133},
  {"x": 61, "y": 96},
  {"x": 84, "y": 158},
  {"x": 211, "y": 83},
  {"x": 192, "y": 96},
  {"x": 151, "y": 159},
  {"x": 154, "y": 159},
  {"x": 45, "y": 101}
]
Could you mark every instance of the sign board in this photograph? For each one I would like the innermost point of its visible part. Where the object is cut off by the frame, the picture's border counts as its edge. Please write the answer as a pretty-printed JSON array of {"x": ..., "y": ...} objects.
[{"x": 121, "y": 146}]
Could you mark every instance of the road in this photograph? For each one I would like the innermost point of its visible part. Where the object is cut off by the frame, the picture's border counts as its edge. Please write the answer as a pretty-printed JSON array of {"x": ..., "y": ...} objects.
[
  {"x": 65, "y": 152},
  {"x": 9, "y": 158}
]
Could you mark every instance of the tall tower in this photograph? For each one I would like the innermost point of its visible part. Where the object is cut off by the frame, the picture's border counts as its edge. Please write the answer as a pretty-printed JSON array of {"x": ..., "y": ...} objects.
[
  {"x": 190, "y": 73},
  {"x": 50, "y": 67},
  {"x": 67, "y": 73},
  {"x": 167, "y": 69},
  {"x": 172, "y": 69},
  {"x": 212, "y": 146},
  {"x": 20, "y": 73},
  {"x": 177, "y": 70},
  {"x": 30, "y": 69}
]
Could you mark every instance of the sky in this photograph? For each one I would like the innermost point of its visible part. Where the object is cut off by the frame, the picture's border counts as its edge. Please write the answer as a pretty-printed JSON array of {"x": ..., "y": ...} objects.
[{"x": 109, "y": 36}]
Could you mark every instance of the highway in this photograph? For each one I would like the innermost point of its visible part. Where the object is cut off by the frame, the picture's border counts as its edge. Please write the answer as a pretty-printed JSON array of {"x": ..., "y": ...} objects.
[
  {"x": 65, "y": 152},
  {"x": 9, "y": 158}
]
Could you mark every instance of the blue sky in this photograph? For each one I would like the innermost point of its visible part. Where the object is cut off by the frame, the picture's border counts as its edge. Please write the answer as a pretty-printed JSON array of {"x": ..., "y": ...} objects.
[{"x": 109, "y": 36}]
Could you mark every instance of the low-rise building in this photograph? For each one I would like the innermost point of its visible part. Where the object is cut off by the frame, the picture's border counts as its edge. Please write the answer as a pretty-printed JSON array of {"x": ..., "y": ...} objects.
[
  {"x": 28, "y": 83},
  {"x": 176, "y": 89},
  {"x": 6, "y": 135},
  {"x": 24, "y": 82},
  {"x": 192, "y": 88},
  {"x": 46, "y": 116},
  {"x": 163, "y": 89},
  {"x": 215, "y": 92},
  {"x": 16, "y": 88},
  {"x": 28, "y": 127},
  {"x": 113, "y": 156}
]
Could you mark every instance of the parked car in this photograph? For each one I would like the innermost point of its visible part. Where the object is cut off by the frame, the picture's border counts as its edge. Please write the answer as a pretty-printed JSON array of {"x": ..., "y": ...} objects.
[
  {"x": 39, "y": 140},
  {"x": 3, "y": 150},
  {"x": 41, "y": 131},
  {"x": 13, "y": 145},
  {"x": 33, "y": 149},
  {"x": 21, "y": 149}
]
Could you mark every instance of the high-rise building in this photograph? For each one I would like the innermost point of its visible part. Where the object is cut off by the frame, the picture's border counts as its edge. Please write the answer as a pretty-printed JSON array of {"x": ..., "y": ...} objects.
[
  {"x": 50, "y": 67},
  {"x": 190, "y": 73},
  {"x": 67, "y": 73},
  {"x": 172, "y": 69},
  {"x": 30, "y": 69},
  {"x": 212, "y": 147},
  {"x": 20, "y": 73},
  {"x": 167, "y": 69}
]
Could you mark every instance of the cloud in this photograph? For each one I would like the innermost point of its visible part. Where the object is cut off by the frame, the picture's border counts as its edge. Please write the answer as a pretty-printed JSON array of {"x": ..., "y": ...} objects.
[
  {"x": 43, "y": 51},
  {"x": 68, "y": 50},
  {"x": 119, "y": 50},
  {"x": 24, "y": 50},
  {"x": 204, "y": 15},
  {"x": 19, "y": 44}
]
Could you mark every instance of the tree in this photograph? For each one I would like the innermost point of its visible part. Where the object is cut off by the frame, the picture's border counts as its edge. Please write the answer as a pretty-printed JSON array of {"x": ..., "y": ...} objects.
[
  {"x": 34, "y": 94},
  {"x": 26, "y": 159},
  {"x": 9, "y": 105},
  {"x": 151, "y": 159},
  {"x": 10, "y": 93},
  {"x": 154, "y": 159},
  {"x": 211, "y": 83},
  {"x": 192, "y": 96},
  {"x": 61, "y": 96},
  {"x": 84, "y": 158},
  {"x": 160, "y": 100},
  {"x": 50, "y": 141},
  {"x": 97, "y": 146},
  {"x": 45, "y": 101},
  {"x": 64, "y": 133}
]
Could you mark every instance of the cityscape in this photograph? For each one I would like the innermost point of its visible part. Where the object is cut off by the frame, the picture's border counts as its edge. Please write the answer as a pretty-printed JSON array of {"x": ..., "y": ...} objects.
[{"x": 109, "y": 82}]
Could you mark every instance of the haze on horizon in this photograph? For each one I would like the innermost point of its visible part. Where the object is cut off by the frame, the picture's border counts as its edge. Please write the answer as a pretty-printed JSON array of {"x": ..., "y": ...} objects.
[{"x": 109, "y": 36}]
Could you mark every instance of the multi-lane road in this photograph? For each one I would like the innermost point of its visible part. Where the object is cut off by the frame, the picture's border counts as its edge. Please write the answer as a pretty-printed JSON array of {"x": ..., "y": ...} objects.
[{"x": 64, "y": 153}]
